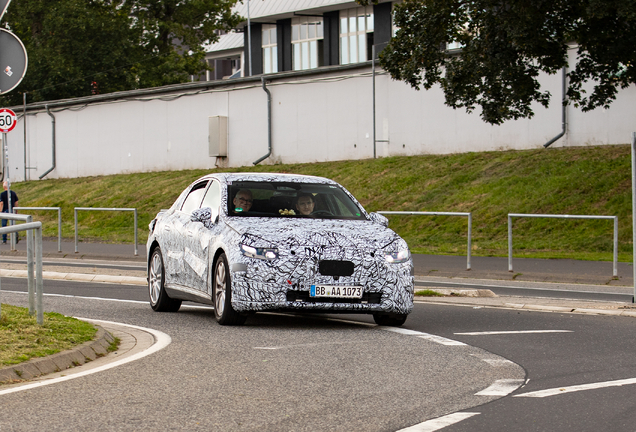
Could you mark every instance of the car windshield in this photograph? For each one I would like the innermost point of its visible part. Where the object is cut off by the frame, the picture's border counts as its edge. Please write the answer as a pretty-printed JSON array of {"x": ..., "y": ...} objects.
[{"x": 291, "y": 200}]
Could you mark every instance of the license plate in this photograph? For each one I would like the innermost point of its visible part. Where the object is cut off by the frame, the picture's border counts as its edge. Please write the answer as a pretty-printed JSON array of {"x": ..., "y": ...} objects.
[{"x": 335, "y": 291}]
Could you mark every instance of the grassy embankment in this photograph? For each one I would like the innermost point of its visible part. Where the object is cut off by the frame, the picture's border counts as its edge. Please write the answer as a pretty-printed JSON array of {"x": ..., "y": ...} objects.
[
  {"x": 22, "y": 339},
  {"x": 585, "y": 180}
]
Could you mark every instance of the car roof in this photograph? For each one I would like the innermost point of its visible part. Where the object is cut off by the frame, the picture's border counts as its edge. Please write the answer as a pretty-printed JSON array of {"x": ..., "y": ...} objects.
[{"x": 269, "y": 177}]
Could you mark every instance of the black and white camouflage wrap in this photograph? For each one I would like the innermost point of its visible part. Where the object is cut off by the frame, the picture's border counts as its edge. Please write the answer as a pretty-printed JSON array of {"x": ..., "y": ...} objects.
[{"x": 191, "y": 242}]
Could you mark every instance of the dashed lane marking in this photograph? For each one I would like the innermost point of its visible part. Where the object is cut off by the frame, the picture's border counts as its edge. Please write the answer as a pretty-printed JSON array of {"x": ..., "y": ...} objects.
[
  {"x": 439, "y": 423},
  {"x": 570, "y": 389},
  {"x": 501, "y": 387},
  {"x": 484, "y": 333},
  {"x": 427, "y": 336}
]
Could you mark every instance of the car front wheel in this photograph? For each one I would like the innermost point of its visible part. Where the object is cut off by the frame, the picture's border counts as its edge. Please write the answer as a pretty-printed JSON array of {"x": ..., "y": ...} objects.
[
  {"x": 390, "y": 320},
  {"x": 222, "y": 295},
  {"x": 159, "y": 300}
]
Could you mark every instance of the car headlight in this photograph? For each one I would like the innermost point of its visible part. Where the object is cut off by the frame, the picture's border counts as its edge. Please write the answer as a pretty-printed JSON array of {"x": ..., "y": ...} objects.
[
  {"x": 397, "y": 257},
  {"x": 259, "y": 253}
]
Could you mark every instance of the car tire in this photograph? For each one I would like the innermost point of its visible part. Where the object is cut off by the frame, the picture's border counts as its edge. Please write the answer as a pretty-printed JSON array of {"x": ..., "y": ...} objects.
[
  {"x": 389, "y": 320},
  {"x": 222, "y": 294},
  {"x": 159, "y": 299}
]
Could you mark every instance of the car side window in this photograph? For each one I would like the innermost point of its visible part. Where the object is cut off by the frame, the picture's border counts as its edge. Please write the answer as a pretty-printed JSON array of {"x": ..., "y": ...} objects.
[
  {"x": 193, "y": 200},
  {"x": 212, "y": 199}
]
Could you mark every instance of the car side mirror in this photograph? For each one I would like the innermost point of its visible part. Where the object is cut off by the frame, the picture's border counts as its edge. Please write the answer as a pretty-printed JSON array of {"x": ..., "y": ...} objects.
[
  {"x": 379, "y": 219},
  {"x": 204, "y": 215}
]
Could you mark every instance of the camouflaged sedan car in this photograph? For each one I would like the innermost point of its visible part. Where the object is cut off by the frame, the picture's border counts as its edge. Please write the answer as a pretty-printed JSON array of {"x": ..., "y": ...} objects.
[{"x": 276, "y": 242}]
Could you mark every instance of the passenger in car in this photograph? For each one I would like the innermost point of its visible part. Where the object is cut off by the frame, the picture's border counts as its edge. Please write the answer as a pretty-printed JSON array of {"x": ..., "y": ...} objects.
[
  {"x": 305, "y": 204},
  {"x": 243, "y": 201}
]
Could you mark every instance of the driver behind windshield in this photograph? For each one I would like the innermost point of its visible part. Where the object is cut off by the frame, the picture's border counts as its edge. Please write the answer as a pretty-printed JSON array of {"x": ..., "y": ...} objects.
[
  {"x": 243, "y": 201},
  {"x": 305, "y": 204}
]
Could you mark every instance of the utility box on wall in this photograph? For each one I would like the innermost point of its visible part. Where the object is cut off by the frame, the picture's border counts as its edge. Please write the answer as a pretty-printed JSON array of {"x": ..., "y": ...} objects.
[{"x": 218, "y": 136}]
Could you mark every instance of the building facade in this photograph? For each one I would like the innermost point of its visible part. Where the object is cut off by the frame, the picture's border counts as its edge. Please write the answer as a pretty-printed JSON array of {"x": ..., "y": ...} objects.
[{"x": 314, "y": 95}]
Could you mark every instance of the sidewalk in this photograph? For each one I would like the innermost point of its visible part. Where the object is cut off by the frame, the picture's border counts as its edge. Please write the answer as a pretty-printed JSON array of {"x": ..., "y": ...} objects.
[
  {"x": 496, "y": 268},
  {"x": 525, "y": 269},
  {"x": 540, "y": 274},
  {"x": 85, "y": 250}
]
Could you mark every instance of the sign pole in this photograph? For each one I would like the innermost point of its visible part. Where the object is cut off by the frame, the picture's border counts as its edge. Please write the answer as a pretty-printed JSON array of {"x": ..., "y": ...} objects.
[
  {"x": 8, "y": 180},
  {"x": 634, "y": 211}
]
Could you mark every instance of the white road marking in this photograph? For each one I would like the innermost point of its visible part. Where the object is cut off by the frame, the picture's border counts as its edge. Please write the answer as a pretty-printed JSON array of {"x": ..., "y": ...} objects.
[
  {"x": 81, "y": 297},
  {"x": 109, "y": 299},
  {"x": 439, "y": 423},
  {"x": 162, "y": 340},
  {"x": 570, "y": 389},
  {"x": 512, "y": 332},
  {"x": 442, "y": 340},
  {"x": 501, "y": 387},
  {"x": 427, "y": 336},
  {"x": 498, "y": 388}
]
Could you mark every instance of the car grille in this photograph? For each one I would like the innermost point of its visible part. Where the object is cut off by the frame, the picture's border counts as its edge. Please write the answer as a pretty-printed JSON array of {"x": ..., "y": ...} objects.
[
  {"x": 303, "y": 296},
  {"x": 335, "y": 268}
]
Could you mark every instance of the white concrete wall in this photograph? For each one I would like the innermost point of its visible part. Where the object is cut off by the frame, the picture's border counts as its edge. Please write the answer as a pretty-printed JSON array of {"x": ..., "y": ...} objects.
[{"x": 314, "y": 118}]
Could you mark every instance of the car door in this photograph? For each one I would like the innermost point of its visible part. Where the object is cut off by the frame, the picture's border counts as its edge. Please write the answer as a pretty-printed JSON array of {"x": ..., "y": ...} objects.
[
  {"x": 180, "y": 259},
  {"x": 200, "y": 234}
]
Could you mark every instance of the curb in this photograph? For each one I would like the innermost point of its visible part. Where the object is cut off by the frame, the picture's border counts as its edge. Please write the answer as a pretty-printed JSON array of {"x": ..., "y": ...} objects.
[
  {"x": 532, "y": 307},
  {"x": 457, "y": 292},
  {"x": 79, "y": 355},
  {"x": 80, "y": 277}
]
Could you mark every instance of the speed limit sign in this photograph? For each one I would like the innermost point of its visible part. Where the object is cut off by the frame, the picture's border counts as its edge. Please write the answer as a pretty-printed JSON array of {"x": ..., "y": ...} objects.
[{"x": 8, "y": 120}]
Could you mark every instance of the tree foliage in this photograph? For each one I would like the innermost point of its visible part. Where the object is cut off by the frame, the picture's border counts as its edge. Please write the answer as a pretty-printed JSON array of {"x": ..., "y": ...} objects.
[
  {"x": 82, "y": 47},
  {"x": 507, "y": 44}
]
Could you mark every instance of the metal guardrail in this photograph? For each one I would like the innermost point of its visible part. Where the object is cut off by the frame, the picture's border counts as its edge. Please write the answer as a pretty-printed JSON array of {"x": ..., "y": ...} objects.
[
  {"x": 470, "y": 224},
  {"x": 34, "y": 246},
  {"x": 615, "y": 218},
  {"x": 105, "y": 209},
  {"x": 59, "y": 221}
]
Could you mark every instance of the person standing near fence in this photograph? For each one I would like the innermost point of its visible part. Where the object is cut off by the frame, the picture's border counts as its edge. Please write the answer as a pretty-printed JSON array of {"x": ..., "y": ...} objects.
[{"x": 7, "y": 202}]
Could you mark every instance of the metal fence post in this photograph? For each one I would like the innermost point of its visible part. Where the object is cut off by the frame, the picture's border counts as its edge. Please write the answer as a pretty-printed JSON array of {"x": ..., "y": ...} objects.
[
  {"x": 509, "y": 243},
  {"x": 75, "y": 211},
  {"x": 30, "y": 281},
  {"x": 59, "y": 229},
  {"x": 615, "y": 246},
  {"x": 39, "y": 288},
  {"x": 470, "y": 235},
  {"x": 136, "y": 233}
]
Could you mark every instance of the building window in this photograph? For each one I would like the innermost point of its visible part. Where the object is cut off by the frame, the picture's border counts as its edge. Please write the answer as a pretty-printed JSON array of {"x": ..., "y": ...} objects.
[
  {"x": 270, "y": 49},
  {"x": 356, "y": 35},
  {"x": 307, "y": 43}
]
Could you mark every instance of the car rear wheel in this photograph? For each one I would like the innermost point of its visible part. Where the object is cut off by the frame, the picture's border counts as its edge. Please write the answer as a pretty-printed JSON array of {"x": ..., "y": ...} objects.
[
  {"x": 159, "y": 300},
  {"x": 390, "y": 320},
  {"x": 222, "y": 295}
]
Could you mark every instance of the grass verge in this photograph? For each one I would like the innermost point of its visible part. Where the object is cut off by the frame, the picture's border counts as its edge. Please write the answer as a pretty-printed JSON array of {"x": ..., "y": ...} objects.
[
  {"x": 573, "y": 180},
  {"x": 22, "y": 339},
  {"x": 428, "y": 293}
]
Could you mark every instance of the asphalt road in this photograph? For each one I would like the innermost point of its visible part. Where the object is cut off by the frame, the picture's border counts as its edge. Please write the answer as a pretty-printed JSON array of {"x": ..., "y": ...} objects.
[
  {"x": 309, "y": 373},
  {"x": 593, "y": 350},
  {"x": 278, "y": 372}
]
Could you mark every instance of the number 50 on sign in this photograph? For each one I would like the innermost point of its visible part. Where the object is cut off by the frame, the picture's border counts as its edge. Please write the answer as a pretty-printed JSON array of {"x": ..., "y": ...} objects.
[{"x": 8, "y": 120}]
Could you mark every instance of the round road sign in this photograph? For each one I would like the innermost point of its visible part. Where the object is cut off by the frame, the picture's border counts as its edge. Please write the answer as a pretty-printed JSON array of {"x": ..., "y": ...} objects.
[
  {"x": 8, "y": 120},
  {"x": 13, "y": 61}
]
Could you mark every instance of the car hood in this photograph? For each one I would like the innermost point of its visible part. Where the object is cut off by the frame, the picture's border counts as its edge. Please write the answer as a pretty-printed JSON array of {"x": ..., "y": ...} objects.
[{"x": 280, "y": 232}]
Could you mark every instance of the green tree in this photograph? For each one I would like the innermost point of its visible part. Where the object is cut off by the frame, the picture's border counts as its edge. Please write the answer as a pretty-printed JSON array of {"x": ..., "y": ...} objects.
[
  {"x": 172, "y": 34},
  {"x": 506, "y": 44},
  {"x": 81, "y": 47}
]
